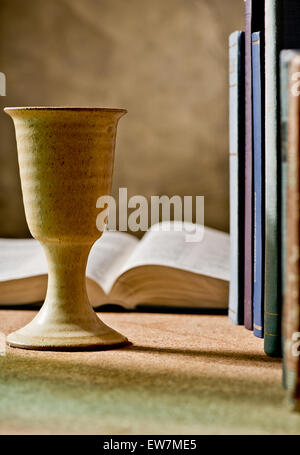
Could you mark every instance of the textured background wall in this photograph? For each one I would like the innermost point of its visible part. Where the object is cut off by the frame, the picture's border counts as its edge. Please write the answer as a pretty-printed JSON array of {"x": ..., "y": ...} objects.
[{"x": 163, "y": 60}]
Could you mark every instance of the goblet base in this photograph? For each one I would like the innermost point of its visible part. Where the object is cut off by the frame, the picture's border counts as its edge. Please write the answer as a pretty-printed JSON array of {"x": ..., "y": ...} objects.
[
  {"x": 43, "y": 337},
  {"x": 87, "y": 344}
]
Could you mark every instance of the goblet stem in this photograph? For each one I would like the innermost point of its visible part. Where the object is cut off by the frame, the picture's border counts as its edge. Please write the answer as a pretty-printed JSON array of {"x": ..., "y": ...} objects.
[
  {"x": 66, "y": 292},
  {"x": 66, "y": 319}
]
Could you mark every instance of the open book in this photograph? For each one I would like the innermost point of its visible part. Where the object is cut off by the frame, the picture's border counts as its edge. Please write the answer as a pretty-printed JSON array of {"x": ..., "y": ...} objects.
[{"x": 162, "y": 269}]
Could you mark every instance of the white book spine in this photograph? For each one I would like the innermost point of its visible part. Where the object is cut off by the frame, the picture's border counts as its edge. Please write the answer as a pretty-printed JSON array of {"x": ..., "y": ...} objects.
[{"x": 235, "y": 130}]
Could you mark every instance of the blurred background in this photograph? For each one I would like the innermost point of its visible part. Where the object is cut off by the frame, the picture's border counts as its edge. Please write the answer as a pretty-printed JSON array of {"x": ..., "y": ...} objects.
[{"x": 164, "y": 60}]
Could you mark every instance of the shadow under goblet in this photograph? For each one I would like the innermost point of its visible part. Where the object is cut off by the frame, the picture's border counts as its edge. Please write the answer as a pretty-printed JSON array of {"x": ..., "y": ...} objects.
[{"x": 66, "y": 160}]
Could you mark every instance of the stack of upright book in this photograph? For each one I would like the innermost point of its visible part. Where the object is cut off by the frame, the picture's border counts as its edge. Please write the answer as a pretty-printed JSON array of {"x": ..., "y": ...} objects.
[{"x": 264, "y": 158}]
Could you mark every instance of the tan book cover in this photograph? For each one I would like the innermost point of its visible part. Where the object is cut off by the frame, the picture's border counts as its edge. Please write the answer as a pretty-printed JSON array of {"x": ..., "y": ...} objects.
[{"x": 291, "y": 320}]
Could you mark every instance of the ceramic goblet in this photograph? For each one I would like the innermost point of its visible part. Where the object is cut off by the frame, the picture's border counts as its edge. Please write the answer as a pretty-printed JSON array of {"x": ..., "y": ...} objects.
[{"x": 66, "y": 160}]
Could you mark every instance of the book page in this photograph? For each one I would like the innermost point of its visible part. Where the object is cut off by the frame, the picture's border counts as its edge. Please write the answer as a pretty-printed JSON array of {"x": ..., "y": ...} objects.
[
  {"x": 21, "y": 258},
  {"x": 108, "y": 256},
  {"x": 209, "y": 257}
]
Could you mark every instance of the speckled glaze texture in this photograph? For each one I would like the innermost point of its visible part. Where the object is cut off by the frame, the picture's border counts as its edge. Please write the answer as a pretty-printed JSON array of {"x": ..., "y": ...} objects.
[{"x": 66, "y": 160}]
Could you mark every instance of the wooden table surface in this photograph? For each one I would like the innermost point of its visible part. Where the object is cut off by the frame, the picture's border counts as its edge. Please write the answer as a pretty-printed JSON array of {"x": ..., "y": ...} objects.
[{"x": 184, "y": 374}]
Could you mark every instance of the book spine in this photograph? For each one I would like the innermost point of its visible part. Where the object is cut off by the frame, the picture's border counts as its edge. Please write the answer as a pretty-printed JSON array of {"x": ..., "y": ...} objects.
[
  {"x": 285, "y": 59},
  {"x": 258, "y": 185},
  {"x": 236, "y": 167},
  {"x": 291, "y": 320},
  {"x": 272, "y": 296},
  {"x": 248, "y": 171}
]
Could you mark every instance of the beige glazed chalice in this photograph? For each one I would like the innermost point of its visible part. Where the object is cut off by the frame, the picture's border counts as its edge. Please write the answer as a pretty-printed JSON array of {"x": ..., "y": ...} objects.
[{"x": 66, "y": 160}]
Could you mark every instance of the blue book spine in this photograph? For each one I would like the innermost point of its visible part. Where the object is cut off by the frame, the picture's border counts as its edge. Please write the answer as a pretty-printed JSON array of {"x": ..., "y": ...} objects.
[
  {"x": 237, "y": 176},
  {"x": 258, "y": 183}
]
